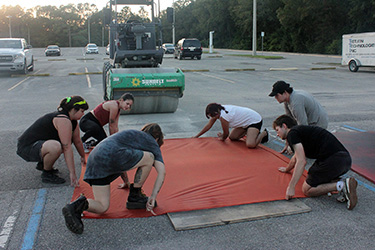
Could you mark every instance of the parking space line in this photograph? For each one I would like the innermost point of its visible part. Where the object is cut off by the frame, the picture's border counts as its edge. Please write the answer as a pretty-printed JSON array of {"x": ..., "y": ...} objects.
[
  {"x": 19, "y": 83},
  {"x": 88, "y": 78},
  {"x": 219, "y": 78},
  {"x": 32, "y": 228},
  {"x": 8, "y": 228}
]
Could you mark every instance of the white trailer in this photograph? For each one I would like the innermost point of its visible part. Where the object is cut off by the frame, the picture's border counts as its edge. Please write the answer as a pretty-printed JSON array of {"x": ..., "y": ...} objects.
[{"x": 358, "y": 50}]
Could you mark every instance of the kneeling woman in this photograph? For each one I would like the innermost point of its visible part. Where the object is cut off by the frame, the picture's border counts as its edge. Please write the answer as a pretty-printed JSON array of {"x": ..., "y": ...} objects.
[
  {"x": 244, "y": 121},
  {"x": 110, "y": 159}
]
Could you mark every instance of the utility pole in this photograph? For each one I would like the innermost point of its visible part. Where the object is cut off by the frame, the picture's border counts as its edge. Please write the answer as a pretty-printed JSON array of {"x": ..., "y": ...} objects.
[
  {"x": 173, "y": 25},
  {"x": 88, "y": 32},
  {"x": 254, "y": 27},
  {"x": 10, "y": 26}
]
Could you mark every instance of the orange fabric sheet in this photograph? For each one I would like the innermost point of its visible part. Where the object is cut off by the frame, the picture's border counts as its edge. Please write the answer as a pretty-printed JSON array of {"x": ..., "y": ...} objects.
[{"x": 205, "y": 173}]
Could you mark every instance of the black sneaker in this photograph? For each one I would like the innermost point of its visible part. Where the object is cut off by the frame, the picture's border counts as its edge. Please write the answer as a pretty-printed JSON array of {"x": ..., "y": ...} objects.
[
  {"x": 265, "y": 139},
  {"x": 50, "y": 177},
  {"x": 350, "y": 192},
  {"x": 73, "y": 214},
  {"x": 40, "y": 167}
]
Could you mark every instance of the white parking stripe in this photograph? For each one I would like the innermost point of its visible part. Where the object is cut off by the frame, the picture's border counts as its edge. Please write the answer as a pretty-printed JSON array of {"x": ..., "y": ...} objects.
[
  {"x": 8, "y": 228},
  {"x": 88, "y": 78}
]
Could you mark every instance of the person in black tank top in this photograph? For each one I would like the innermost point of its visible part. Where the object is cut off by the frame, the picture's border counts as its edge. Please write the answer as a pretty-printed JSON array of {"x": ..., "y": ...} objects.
[{"x": 51, "y": 135}]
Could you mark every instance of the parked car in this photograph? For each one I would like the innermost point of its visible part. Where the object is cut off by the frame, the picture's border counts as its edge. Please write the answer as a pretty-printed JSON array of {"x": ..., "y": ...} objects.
[
  {"x": 188, "y": 47},
  {"x": 107, "y": 50},
  {"x": 168, "y": 48},
  {"x": 91, "y": 48},
  {"x": 16, "y": 55},
  {"x": 52, "y": 50}
]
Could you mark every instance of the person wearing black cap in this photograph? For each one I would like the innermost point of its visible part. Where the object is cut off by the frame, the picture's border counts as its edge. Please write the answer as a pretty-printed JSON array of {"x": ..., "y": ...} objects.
[{"x": 300, "y": 105}]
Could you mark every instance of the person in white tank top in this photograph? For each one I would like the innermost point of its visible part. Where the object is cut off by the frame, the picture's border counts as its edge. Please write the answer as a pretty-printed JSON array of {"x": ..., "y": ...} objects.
[{"x": 242, "y": 120}]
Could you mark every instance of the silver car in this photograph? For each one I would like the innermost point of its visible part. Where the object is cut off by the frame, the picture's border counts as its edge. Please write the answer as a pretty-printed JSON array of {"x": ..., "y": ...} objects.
[{"x": 91, "y": 48}]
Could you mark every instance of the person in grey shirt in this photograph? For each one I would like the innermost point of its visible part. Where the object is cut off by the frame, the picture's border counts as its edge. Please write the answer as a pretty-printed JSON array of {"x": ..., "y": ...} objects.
[{"x": 300, "y": 105}]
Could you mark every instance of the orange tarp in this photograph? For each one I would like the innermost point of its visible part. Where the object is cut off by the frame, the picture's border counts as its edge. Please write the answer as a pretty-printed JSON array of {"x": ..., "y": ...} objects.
[{"x": 205, "y": 173}]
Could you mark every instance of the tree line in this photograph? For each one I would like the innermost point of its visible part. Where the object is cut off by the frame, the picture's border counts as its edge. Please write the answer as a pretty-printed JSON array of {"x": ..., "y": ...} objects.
[{"x": 306, "y": 26}]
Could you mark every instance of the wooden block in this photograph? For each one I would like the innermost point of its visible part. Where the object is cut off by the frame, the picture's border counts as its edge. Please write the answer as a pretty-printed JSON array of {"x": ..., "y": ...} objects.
[{"x": 225, "y": 215}]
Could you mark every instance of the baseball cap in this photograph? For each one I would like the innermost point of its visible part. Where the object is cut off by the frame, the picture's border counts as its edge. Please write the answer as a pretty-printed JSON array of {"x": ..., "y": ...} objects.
[{"x": 279, "y": 87}]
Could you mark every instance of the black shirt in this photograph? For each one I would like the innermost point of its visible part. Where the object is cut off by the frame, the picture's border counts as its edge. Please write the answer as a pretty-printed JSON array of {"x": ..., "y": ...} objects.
[
  {"x": 317, "y": 142},
  {"x": 43, "y": 129}
]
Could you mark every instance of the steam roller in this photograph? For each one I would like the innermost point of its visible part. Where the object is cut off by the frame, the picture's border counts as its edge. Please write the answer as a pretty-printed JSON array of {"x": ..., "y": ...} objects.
[{"x": 155, "y": 90}]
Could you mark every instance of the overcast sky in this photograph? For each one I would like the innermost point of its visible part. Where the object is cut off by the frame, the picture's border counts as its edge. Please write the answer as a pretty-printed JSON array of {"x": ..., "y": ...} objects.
[{"x": 99, "y": 3}]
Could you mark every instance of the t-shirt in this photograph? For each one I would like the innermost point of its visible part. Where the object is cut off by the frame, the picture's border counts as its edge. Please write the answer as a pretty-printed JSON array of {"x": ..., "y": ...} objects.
[
  {"x": 317, "y": 142},
  {"x": 306, "y": 109},
  {"x": 107, "y": 157},
  {"x": 240, "y": 117},
  {"x": 43, "y": 129}
]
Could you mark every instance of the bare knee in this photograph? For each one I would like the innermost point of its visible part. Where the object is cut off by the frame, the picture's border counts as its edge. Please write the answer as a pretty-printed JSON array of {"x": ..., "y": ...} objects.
[
  {"x": 307, "y": 189},
  {"x": 251, "y": 144}
]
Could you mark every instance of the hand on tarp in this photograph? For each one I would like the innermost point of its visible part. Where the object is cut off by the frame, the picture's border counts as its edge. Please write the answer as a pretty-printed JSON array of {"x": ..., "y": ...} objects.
[
  {"x": 290, "y": 192},
  {"x": 74, "y": 182},
  {"x": 150, "y": 205}
]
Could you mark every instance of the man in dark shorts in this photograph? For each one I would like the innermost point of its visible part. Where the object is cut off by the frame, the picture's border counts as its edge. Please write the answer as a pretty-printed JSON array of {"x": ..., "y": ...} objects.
[
  {"x": 110, "y": 159},
  {"x": 332, "y": 161}
]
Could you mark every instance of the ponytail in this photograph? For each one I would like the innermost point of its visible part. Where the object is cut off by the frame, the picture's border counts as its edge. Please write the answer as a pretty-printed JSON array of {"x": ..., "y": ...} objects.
[
  {"x": 213, "y": 109},
  {"x": 70, "y": 102}
]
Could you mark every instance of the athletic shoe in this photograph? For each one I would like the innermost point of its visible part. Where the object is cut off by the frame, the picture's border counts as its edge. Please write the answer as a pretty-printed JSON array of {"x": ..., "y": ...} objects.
[
  {"x": 341, "y": 198},
  {"x": 73, "y": 214},
  {"x": 40, "y": 167},
  {"x": 350, "y": 192},
  {"x": 265, "y": 139},
  {"x": 136, "y": 199},
  {"x": 50, "y": 177},
  {"x": 86, "y": 148}
]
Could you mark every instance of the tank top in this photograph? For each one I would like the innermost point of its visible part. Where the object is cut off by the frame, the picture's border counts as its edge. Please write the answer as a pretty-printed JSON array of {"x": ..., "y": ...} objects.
[
  {"x": 43, "y": 129},
  {"x": 101, "y": 114}
]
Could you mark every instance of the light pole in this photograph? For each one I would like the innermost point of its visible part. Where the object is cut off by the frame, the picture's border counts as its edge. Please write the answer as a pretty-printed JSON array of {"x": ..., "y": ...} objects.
[
  {"x": 173, "y": 25},
  {"x": 88, "y": 33},
  {"x": 10, "y": 26},
  {"x": 254, "y": 27}
]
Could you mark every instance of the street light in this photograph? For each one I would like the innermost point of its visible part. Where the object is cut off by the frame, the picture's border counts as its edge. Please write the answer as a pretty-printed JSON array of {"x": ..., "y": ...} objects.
[
  {"x": 10, "y": 26},
  {"x": 89, "y": 35},
  {"x": 254, "y": 27}
]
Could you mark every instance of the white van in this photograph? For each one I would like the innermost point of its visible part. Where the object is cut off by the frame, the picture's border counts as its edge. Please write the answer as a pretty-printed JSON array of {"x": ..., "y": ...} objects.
[{"x": 358, "y": 50}]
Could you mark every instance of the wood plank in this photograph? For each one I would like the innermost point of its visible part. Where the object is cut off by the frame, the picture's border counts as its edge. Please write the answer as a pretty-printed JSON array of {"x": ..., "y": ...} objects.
[{"x": 225, "y": 215}]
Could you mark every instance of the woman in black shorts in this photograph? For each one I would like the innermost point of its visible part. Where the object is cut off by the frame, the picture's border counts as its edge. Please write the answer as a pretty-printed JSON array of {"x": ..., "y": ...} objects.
[
  {"x": 51, "y": 135},
  {"x": 110, "y": 159}
]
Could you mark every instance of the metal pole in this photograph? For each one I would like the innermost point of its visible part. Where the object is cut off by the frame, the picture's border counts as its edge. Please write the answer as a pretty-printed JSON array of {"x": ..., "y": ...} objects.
[
  {"x": 10, "y": 26},
  {"x": 89, "y": 30},
  {"x": 254, "y": 27},
  {"x": 173, "y": 25}
]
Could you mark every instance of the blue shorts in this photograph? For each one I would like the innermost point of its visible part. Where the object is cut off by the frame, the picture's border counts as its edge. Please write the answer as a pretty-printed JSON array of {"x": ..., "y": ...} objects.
[{"x": 32, "y": 152}]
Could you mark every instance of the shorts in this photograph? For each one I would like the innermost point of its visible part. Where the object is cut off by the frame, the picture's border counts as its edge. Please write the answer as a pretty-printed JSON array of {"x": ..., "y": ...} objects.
[
  {"x": 32, "y": 152},
  {"x": 255, "y": 125},
  {"x": 109, "y": 162},
  {"x": 103, "y": 181},
  {"x": 329, "y": 169}
]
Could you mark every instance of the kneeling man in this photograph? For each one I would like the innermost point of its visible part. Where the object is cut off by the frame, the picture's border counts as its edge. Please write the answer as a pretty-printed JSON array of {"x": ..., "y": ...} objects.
[{"x": 332, "y": 161}]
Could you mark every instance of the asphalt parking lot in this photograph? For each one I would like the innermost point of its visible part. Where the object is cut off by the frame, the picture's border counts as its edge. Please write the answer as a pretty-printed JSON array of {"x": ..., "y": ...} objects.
[{"x": 31, "y": 217}]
